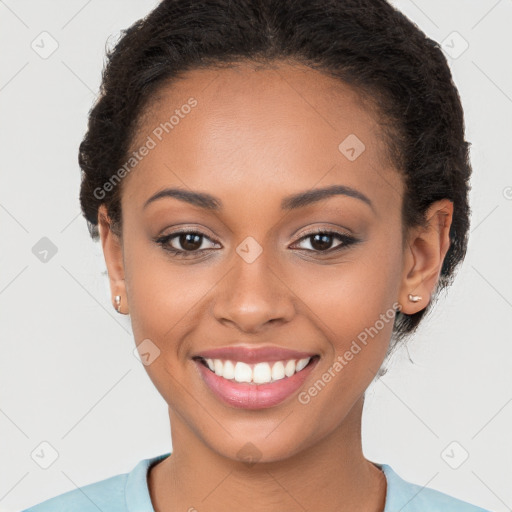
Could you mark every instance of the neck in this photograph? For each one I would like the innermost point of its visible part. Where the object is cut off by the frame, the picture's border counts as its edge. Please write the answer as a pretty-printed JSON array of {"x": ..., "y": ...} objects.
[{"x": 331, "y": 475}]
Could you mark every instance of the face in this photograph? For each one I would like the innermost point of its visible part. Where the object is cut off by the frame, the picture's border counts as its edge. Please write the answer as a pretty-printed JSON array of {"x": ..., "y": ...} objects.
[{"x": 258, "y": 268}]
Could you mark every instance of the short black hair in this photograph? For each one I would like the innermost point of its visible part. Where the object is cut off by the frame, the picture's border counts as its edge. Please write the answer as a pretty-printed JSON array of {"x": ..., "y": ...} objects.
[{"x": 367, "y": 44}]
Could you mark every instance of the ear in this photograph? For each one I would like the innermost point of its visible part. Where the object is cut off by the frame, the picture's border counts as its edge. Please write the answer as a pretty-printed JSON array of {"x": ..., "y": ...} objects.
[
  {"x": 113, "y": 253},
  {"x": 425, "y": 251}
]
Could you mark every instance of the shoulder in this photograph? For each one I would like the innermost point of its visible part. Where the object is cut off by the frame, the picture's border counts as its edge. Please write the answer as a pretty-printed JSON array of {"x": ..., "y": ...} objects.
[
  {"x": 120, "y": 493},
  {"x": 106, "y": 495},
  {"x": 405, "y": 496}
]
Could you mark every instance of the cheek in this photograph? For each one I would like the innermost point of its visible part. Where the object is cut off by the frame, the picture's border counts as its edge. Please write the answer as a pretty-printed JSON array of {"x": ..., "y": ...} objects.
[
  {"x": 354, "y": 308},
  {"x": 358, "y": 326},
  {"x": 356, "y": 316},
  {"x": 161, "y": 300},
  {"x": 351, "y": 296},
  {"x": 154, "y": 291},
  {"x": 156, "y": 288}
]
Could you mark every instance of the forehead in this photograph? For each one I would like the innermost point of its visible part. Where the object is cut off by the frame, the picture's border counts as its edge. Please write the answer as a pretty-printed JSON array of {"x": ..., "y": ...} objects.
[{"x": 279, "y": 127}]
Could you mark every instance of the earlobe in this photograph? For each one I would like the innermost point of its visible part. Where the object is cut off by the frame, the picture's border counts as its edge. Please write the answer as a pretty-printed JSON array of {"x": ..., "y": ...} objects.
[
  {"x": 426, "y": 249},
  {"x": 113, "y": 254}
]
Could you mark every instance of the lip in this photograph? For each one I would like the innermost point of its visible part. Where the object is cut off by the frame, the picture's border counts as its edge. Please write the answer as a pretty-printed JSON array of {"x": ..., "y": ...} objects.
[
  {"x": 254, "y": 396},
  {"x": 251, "y": 355}
]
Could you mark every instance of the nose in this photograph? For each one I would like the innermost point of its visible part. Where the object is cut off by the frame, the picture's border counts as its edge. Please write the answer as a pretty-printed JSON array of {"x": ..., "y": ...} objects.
[{"x": 253, "y": 295}]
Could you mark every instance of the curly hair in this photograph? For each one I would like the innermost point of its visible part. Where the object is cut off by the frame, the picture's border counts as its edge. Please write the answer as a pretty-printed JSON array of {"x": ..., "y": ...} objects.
[{"x": 368, "y": 44}]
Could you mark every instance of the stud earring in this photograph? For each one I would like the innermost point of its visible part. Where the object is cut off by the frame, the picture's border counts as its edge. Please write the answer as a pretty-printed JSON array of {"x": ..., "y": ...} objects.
[
  {"x": 118, "y": 303},
  {"x": 414, "y": 298}
]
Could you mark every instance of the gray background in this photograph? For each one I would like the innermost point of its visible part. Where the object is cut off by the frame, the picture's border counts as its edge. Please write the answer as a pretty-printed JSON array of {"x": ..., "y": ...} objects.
[{"x": 68, "y": 374}]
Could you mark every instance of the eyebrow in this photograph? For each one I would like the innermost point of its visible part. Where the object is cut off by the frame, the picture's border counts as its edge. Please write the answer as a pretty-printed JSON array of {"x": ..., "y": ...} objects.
[{"x": 295, "y": 201}]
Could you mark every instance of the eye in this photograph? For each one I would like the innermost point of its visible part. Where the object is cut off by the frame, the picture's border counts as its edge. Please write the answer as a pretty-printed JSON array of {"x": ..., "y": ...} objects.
[
  {"x": 189, "y": 242},
  {"x": 321, "y": 240}
]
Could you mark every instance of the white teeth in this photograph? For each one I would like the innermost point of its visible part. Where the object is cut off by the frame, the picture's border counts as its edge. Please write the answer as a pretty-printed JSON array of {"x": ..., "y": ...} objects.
[
  {"x": 217, "y": 365},
  {"x": 278, "y": 371},
  {"x": 243, "y": 372},
  {"x": 289, "y": 368},
  {"x": 302, "y": 363},
  {"x": 259, "y": 373},
  {"x": 229, "y": 370}
]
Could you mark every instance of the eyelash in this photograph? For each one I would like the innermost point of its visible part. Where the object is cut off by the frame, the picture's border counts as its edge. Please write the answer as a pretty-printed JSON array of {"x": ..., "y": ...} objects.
[{"x": 163, "y": 241}]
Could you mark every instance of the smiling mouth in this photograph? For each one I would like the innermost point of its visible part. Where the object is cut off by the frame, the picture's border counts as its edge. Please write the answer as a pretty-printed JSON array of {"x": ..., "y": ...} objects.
[{"x": 258, "y": 373}]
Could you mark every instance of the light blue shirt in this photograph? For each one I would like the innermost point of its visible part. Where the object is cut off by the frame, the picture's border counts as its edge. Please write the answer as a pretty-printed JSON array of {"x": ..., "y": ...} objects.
[{"x": 129, "y": 493}]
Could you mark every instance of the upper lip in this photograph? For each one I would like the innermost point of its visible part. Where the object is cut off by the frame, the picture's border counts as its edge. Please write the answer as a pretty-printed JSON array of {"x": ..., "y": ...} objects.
[{"x": 253, "y": 355}]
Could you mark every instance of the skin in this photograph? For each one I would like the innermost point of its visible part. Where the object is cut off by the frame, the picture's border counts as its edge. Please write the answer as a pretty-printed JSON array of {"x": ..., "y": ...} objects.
[{"x": 256, "y": 136}]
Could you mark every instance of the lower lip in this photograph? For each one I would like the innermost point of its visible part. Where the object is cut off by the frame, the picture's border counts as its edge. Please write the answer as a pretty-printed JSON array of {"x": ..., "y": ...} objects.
[{"x": 254, "y": 396}]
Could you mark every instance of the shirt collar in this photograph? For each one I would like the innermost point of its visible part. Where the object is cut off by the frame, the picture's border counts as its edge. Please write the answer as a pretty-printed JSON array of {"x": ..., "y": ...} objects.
[
  {"x": 136, "y": 490},
  {"x": 138, "y": 499}
]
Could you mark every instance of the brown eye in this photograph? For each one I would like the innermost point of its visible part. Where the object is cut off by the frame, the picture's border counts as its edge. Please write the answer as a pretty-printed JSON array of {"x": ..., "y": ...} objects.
[
  {"x": 185, "y": 243},
  {"x": 190, "y": 241},
  {"x": 322, "y": 241}
]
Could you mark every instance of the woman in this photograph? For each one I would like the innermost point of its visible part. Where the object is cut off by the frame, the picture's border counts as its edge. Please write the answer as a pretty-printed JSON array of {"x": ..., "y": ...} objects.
[{"x": 280, "y": 190}]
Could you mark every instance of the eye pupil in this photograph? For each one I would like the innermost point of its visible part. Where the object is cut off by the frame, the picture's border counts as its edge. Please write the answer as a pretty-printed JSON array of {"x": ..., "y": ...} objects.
[
  {"x": 322, "y": 241},
  {"x": 190, "y": 241}
]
